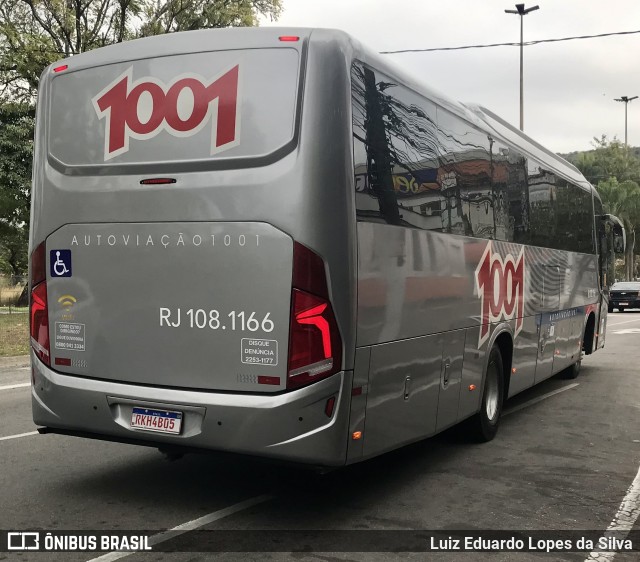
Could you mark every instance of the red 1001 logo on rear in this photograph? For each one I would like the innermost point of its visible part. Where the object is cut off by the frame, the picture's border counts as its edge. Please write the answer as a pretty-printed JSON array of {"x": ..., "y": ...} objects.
[
  {"x": 500, "y": 286},
  {"x": 146, "y": 107}
]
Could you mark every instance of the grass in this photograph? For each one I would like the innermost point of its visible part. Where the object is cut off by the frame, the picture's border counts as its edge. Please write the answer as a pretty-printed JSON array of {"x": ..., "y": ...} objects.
[{"x": 14, "y": 333}]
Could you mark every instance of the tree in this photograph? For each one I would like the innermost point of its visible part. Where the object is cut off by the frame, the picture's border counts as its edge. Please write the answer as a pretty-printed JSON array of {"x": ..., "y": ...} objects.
[
  {"x": 14, "y": 242},
  {"x": 183, "y": 15},
  {"x": 16, "y": 150},
  {"x": 615, "y": 169},
  {"x": 623, "y": 200},
  {"x": 35, "y": 33},
  {"x": 610, "y": 159}
]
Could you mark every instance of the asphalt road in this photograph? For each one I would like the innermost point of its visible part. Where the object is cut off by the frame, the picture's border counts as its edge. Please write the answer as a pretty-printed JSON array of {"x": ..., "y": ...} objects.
[{"x": 561, "y": 460}]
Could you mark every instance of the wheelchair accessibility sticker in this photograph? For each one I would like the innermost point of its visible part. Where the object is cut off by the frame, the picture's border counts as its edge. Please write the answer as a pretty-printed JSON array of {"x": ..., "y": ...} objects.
[{"x": 60, "y": 261}]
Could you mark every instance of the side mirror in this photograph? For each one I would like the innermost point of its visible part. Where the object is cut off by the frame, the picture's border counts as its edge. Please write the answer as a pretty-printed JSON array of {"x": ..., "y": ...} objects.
[{"x": 619, "y": 235}]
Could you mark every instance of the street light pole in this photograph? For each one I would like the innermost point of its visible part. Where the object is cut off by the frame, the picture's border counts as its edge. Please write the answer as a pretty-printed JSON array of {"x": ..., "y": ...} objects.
[
  {"x": 521, "y": 11},
  {"x": 626, "y": 101}
]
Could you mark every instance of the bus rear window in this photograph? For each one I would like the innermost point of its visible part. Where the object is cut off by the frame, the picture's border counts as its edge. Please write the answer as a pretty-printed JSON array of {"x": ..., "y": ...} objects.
[{"x": 224, "y": 104}]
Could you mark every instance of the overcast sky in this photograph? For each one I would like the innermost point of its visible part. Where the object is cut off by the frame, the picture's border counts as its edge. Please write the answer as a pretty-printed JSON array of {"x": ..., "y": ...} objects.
[{"x": 569, "y": 87}]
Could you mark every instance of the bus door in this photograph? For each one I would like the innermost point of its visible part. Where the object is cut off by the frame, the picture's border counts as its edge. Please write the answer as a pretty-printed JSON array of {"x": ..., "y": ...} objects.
[
  {"x": 547, "y": 322},
  {"x": 450, "y": 378}
]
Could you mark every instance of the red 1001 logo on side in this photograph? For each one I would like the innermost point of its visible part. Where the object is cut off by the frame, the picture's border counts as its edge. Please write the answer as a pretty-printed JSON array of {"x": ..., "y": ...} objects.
[{"x": 500, "y": 286}]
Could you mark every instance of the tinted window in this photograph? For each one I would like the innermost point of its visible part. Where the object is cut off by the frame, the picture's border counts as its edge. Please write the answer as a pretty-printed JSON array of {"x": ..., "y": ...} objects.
[
  {"x": 419, "y": 165},
  {"x": 542, "y": 207},
  {"x": 466, "y": 167},
  {"x": 561, "y": 213},
  {"x": 575, "y": 218},
  {"x": 510, "y": 193},
  {"x": 517, "y": 197},
  {"x": 395, "y": 152}
]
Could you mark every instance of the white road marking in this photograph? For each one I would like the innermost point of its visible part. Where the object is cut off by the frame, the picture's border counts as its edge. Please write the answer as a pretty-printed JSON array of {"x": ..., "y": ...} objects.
[
  {"x": 628, "y": 331},
  {"x": 17, "y": 385},
  {"x": 612, "y": 325},
  {"x": 539, "y": 399},
  {"x": 18, "y": 435},
  {"x": 189, "y": 526},
  {"x": 623, "y": 521}
]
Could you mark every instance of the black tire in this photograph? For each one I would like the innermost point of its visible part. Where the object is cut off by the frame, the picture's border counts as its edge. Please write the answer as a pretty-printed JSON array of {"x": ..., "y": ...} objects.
[
  {"x": 484, "y": 425},
  {"x": 573, "y": 371},
  {"x": 610, "y": 308}
]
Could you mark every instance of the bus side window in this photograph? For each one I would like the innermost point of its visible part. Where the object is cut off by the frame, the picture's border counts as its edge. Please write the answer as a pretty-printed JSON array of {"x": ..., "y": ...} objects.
[
  {"x": 575, "y": 226},
  {"x": 542, "y": 205},
  {"x": 396, "y": 167},
  {"x": 466, "y": 176},
  {"x": 517, "y": 197}
]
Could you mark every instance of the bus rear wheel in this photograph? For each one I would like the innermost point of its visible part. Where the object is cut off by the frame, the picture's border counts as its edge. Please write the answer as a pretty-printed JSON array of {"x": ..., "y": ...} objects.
[
  {"x": 573, "y": 371},
  {"x": 484, "y": 425}
]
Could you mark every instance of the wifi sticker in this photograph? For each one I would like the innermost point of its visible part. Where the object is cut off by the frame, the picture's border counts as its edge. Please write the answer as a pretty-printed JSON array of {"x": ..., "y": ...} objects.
[{"x": 67, "y": 300}]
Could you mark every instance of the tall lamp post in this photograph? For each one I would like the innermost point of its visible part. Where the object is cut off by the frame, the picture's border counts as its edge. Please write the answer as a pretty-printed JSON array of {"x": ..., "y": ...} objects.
[
  {"x": 626, "y": 101},
  {"x": 521, "y": 11}
]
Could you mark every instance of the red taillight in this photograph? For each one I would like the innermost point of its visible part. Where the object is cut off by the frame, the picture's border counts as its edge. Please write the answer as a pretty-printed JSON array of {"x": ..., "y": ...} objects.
[
  {"x": 38, "y": 311},
  {"x": 308, "y": 272},
  {"x": 315, "y": 347},
  {"x": 38, "y": 265},
  {"x": 40, "y": 322},
  {"x": 289, "y": 38},
  {"x": 61, "y": 68}
]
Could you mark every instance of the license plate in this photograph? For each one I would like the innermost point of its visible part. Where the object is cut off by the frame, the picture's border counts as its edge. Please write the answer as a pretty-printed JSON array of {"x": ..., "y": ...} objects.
[
  {"x": 160, "y": 421},
  {"x": 624, "y": 303}
]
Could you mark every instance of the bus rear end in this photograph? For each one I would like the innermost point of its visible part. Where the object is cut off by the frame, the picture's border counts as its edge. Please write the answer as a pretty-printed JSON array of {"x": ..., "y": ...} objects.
[{"x": 184, "y": 278}]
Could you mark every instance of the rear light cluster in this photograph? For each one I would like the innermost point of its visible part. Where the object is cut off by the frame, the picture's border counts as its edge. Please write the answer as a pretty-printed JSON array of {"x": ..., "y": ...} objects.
[
  {"x": 38, "y": 310},
  {"x": 315, "y": 346}
]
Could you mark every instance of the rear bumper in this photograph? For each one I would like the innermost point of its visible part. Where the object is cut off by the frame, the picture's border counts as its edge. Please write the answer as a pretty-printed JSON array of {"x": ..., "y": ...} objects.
[
  {"x": 291, "y": 426},
  {"x": 628, "y": 303}
]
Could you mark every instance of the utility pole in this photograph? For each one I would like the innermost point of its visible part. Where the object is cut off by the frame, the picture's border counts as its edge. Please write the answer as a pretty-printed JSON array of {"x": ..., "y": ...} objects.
[
  {"x": 521, "y": 11},
  {"x": 626, "y": 101}
]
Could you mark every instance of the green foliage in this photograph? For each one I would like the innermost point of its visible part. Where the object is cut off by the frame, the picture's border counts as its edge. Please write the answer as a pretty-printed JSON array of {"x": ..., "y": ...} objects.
[
  {"x": 616, "y": 170},
  {"x": 621, "y": 199},
  {"x": 16, "y": 151},
  {"x": 183, "y": 15},
  {"x": 610, "y": 159},
  {"x": 14, "y": 243},
  {"x": 35, "y": 33}
]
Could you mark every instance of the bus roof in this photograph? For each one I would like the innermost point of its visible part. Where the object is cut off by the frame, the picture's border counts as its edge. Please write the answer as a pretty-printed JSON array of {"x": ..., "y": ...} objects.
[{"x": 248, "y": 38}]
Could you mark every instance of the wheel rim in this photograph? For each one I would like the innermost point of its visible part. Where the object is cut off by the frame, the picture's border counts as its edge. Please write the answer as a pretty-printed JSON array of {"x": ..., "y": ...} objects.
[{"x": 492, "y": 393}]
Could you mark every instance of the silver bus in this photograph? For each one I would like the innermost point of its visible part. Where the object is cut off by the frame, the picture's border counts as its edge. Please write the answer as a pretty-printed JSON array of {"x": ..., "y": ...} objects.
[{"x": 276, "y": 243}]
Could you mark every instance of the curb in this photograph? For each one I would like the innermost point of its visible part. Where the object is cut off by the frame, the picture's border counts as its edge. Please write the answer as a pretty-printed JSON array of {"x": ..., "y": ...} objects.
[{"x": 15, "y": 361}]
